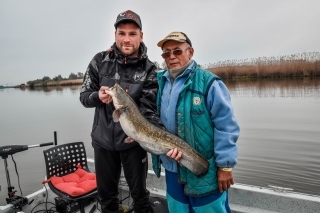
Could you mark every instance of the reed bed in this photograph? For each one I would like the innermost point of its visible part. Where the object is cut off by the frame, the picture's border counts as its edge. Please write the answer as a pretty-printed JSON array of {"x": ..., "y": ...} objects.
[{"x": 287, "y": 66}]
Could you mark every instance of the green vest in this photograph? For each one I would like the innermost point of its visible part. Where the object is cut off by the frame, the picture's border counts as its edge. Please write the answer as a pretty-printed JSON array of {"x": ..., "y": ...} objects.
[{"x": 194, "y": 125}]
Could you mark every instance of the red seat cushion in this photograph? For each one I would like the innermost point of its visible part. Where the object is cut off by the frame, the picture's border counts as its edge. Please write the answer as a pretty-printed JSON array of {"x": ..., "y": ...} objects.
[{"x": 75, "y": 184}]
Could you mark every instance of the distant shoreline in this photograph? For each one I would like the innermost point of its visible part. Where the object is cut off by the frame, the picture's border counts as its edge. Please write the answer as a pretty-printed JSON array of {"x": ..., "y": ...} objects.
[{"x": 54, "y": 83}]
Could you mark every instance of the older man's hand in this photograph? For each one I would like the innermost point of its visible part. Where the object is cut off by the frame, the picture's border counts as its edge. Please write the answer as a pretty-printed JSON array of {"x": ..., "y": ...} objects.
[
  {"x": 225, "y": 180},
  {"x": 175, "y": 154}
]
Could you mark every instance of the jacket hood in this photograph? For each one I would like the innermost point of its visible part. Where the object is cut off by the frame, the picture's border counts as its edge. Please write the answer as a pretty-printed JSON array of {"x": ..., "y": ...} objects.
[{"x": 127, "y": 59}]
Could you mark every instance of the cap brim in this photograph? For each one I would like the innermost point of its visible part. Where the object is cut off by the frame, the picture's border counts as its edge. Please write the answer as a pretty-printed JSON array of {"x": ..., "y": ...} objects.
[
  {"x": 126, "y": 20},
  {"x": 161, "y": 43}
]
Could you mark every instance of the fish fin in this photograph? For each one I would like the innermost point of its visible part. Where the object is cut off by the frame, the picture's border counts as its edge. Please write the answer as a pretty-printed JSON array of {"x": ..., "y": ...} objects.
[{"x": 117, "y": 113}]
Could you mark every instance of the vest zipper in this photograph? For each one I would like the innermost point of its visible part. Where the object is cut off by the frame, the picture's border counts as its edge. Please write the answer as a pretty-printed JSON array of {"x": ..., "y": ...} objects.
[{"x": 171, "y": 81}]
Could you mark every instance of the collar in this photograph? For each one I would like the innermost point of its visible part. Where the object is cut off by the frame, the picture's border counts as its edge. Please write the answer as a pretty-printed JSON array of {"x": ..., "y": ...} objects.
[{"x": 184, "y": 73}]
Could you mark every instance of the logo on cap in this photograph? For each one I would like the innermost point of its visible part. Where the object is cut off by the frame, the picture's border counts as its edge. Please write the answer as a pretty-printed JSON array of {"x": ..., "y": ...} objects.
[
  {"x": 129, "y": 15},
  {"x": 169, "y": 36}
]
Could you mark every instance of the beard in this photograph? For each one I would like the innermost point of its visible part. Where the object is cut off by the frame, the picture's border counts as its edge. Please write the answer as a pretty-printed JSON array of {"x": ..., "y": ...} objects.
[{"x": 129, "y": 50}]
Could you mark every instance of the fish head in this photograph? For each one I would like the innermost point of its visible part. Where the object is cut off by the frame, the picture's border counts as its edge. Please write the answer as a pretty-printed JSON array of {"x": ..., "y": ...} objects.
[{"x": 119, "y": 96}]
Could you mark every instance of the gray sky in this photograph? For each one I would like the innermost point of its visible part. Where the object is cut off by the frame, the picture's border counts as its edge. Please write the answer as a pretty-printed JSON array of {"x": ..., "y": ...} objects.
[{"x": 46, "y": 38}]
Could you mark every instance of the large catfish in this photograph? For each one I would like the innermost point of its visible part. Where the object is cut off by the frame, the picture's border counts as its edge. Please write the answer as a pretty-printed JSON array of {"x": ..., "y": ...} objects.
[{"x": 150, "y": 137}]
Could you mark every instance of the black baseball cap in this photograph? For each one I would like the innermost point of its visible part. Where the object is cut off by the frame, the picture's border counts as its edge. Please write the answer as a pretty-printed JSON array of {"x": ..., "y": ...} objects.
[{"x": 128, "y": 15}]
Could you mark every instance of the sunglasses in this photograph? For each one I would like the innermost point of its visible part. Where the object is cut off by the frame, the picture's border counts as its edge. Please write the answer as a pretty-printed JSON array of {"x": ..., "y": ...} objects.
[{"x": 174, "y": 52}]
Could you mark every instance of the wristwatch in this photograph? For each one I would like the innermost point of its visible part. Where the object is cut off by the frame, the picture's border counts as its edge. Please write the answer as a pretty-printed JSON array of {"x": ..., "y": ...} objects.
[{"x": 226, "y": 169}]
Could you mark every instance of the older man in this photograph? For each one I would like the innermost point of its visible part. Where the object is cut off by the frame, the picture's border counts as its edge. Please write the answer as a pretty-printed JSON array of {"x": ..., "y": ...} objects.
[{"x": 195, "y": 105}]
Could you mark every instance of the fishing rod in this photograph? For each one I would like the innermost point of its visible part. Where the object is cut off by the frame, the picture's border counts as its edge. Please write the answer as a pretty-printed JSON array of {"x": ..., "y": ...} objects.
[{"x": 5, "y": 151}]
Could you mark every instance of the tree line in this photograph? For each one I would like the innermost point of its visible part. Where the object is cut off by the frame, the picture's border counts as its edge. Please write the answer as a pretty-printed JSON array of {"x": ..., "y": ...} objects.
[{"x": 46, "y": 79}]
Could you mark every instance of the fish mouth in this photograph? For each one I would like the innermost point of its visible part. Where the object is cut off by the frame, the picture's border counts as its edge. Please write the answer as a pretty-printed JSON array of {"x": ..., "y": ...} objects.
[
  {"x": 114, "y": 87},
  {"x": 111, "y": 90}
]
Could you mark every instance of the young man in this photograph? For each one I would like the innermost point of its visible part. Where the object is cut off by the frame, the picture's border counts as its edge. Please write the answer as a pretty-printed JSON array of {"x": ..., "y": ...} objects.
[
  {"x": 199, "y": 111},
  {"x": 127, "y": 64}
]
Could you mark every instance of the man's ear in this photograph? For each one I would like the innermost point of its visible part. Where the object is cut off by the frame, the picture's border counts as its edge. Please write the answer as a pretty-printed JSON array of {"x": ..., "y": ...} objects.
[
  {"x": 141, "y": 36},
  {"x": 190, "y": 52}
]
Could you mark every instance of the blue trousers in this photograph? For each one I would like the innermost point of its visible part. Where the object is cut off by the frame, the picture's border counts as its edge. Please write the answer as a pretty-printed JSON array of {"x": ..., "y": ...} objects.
[{"x": 178, "y": 202}]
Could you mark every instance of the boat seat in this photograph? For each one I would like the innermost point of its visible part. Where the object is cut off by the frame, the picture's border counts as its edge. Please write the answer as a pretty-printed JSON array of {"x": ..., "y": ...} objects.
[{"x": 68, "y": 175}]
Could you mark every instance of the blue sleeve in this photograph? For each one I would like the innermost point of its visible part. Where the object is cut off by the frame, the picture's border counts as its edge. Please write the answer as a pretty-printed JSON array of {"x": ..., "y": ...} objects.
[{"x": 226, "y": 128}]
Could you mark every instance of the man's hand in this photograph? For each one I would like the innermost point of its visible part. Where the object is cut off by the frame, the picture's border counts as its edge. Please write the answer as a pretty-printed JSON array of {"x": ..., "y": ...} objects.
[
  {"x": 104, "y": 97},
  {"x": 225, "y": 180},
  {"x": 128, "y": 140},
  {"x": 175, "y": 154}
]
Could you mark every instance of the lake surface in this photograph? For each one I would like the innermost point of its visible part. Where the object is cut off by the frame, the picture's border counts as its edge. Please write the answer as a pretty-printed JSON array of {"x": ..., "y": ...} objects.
[{"x": 279, "y": 142}]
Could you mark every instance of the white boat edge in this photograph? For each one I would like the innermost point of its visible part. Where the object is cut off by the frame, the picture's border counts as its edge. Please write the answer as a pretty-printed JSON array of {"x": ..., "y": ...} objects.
[{"x": 242, "y": 198}]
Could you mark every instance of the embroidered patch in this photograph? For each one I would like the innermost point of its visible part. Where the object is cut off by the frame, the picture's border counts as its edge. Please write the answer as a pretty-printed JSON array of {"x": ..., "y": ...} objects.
[
  {"x": 197, "y": 100},
  {"x": 136, "y": 77},
  {"x": 140, "y": 76}
]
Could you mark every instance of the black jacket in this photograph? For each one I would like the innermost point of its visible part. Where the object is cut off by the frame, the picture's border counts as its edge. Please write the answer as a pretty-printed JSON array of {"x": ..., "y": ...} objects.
[{"x": 136, "y": 75}]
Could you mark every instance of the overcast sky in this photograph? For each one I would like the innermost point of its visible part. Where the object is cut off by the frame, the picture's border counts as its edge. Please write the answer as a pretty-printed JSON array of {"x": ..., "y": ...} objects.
[{"x": 46, "y": 38}]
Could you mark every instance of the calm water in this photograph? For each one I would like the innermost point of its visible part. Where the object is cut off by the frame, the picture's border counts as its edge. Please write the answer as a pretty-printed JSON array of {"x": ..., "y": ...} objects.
[{"x": 279, "y": 142}]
